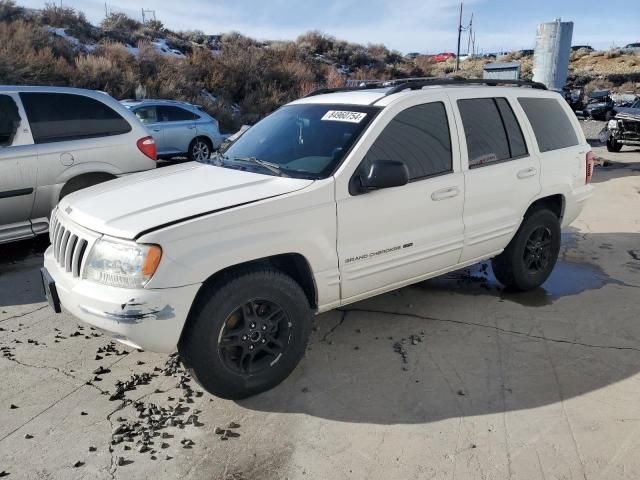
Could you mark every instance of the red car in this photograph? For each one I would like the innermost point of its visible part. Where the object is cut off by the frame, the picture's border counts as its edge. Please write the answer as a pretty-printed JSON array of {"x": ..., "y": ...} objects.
[{"x": 443, "y": 57}]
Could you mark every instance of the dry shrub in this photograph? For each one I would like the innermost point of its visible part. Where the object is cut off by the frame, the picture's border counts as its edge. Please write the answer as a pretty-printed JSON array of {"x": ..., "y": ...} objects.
[
  {"x": 27, "y": 56},
  {"x": 74, "y": 23},
  {"x": 613, "y": 53},
  {"x": 597, "y": 84}
]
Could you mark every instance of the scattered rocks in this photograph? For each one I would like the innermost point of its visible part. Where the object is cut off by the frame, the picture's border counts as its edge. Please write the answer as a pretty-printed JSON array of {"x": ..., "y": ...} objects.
[
  {"x": 120, "y": 461},
  {"x": 101, "y": 370},
  {"x": 28, "y": 436},
  {"x": 461, "y": 393},
  {"x": 400, "y": 347},
  {"x": 92, "y": 448},
  {"x": 78, "y": 464},
  {"x": 4, "y": 473},
  {"x": 13, "y": 407}
]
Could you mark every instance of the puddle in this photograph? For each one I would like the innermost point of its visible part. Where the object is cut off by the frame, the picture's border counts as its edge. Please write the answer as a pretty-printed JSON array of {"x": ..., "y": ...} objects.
[
  {"x": 567, "y": 278},
  {"x": 14, "y": 253}
]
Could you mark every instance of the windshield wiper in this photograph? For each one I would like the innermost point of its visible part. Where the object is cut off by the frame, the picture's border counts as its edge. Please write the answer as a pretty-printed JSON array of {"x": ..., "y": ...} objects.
[{"x": 273, "y": 167}]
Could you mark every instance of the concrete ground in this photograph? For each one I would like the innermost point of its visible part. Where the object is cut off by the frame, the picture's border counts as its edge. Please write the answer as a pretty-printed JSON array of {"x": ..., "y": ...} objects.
[{"x": 495, "y": 385}]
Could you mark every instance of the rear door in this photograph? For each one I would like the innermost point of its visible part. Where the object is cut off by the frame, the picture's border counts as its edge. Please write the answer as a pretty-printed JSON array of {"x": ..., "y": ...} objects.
[
  {"x": 179, "y": 127},
  {"x": 502, "y": 174},
  {"x": 74, "y": 134},
  {"x": 18, "y": 170},
  {"x": 395, "y": 236}
]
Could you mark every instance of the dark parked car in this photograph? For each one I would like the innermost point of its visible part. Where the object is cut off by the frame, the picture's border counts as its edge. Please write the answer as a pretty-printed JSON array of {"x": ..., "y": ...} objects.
[
  {"x": 575, "y": 48},
  {"x": 599, "y": 106}
]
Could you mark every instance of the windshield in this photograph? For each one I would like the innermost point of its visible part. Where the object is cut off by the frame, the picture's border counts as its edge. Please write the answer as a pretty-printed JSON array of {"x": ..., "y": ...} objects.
[{"x": 306, "y": 140}]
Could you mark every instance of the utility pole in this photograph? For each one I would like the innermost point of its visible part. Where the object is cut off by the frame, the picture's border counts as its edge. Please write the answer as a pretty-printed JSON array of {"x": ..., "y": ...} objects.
[{"x": 459, "y": 35}]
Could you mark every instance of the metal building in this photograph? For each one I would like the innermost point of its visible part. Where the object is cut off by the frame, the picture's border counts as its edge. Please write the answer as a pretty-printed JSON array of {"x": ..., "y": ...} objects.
[
  {"x": 551, "y": 55},
  {"x": 501, "y": 71}
]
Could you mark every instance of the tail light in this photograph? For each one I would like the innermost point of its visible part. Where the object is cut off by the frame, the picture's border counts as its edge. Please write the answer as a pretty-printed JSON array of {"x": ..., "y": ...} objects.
[
  {"x": 147, "y": 145},
  {"x": 590, "y": 163}
]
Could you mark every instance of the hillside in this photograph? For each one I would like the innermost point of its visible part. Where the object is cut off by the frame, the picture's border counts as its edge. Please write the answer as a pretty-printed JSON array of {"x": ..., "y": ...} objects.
[{"x": 236, "y": 78}]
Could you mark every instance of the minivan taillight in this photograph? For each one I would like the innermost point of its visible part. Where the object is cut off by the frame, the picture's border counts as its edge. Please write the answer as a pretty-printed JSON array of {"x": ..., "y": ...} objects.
[
  {"x": 590, "y": 164},
  {"x": 147, "y": 145}
]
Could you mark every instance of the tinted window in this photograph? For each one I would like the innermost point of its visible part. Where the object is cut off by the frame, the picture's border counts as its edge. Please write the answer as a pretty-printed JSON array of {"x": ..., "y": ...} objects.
[
  {"x": 174, "y": 114},
  {"x": 551, "y": 126},
  {"x": 484, "y": 131},
  {"x": 147, "y": 114},
  {"x": 419, "y": 137},
  {"x": 56, "y": 117},
  {"x": 9, "y": 120},
  {"x": 517, "y": 145}
]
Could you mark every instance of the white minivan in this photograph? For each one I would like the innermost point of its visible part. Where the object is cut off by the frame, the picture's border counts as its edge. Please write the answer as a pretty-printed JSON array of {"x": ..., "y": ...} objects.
[
  {"x": 54, "y": 141},
  {"x": 333, "y": 198}
]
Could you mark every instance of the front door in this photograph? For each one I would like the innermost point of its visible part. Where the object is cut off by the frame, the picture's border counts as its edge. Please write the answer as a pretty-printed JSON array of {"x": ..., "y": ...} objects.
[
  {"x": 18, "y": 170},
  {"x": 396, "y": 236}
]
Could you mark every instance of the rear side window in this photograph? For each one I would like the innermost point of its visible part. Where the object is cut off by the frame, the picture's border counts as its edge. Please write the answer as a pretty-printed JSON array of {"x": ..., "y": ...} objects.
[
  {"x": 174, "y": 114},
  {"x": 57, "y": 117},
  {"x": 418, "y": 136},
  {"x": 9, "y": 120},
  {"x": 551, "y": 126},
  {"x": 491, "y": 130}
]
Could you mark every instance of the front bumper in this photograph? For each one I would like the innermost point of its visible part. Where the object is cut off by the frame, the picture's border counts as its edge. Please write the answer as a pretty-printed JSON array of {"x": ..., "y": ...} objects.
[{"x": 151, "y": 319}]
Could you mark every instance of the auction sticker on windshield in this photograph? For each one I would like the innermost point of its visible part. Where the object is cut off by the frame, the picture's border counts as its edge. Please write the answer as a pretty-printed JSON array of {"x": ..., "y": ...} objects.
[{"x": 344, "y": 116}]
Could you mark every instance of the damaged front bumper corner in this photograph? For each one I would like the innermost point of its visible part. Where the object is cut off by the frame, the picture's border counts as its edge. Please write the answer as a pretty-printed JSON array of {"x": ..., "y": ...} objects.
[{"x": 151, "y": 319}]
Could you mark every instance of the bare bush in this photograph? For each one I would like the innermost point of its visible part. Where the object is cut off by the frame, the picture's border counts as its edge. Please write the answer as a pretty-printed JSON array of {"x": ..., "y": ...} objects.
[{"x": 9, "y": 11}]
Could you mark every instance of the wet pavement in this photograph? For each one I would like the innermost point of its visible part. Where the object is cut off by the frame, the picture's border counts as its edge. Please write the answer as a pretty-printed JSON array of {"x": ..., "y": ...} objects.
[{"x": 454, "y": 377}]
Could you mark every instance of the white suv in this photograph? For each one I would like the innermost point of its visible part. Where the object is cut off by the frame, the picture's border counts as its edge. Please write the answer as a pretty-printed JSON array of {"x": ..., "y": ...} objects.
[
  {"x": 331, "y": 199},
  {"x": 54, "y": 141}
]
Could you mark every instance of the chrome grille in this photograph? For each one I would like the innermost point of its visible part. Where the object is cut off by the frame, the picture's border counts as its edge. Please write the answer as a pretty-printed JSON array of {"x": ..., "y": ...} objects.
[{"x": 69, "y": 248}]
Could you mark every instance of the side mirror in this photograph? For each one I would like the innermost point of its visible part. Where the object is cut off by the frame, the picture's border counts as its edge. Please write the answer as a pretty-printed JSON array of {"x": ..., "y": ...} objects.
[{"x": 384, "y": 174}]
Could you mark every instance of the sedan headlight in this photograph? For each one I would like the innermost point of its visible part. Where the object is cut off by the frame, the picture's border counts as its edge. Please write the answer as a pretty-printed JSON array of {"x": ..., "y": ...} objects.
[{"x": 122, "y": 264}]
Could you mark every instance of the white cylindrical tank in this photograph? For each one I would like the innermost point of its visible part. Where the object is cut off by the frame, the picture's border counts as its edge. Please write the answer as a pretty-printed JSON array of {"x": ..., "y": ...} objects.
[{"x": 551, "y": 56}]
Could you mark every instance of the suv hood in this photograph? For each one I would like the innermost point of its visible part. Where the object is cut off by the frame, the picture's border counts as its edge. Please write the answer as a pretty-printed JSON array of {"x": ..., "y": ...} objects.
[{"x": 127, "y": 206}]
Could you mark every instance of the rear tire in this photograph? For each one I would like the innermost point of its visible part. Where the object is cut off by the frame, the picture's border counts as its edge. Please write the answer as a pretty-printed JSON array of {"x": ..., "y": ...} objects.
[
  {"x": 613, "y": 145},
  {"x": 246, "y": 333},
  {"x": 200, "y": 149},
  {"x": 529, "y": 258}
]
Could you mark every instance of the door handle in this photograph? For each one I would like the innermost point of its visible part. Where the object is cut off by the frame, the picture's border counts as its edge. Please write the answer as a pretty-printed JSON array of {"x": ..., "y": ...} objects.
[
  {"x": 156, "y": 129},
  {"x": 527, "y": 172},
  {"x": 445, "y": 193}
]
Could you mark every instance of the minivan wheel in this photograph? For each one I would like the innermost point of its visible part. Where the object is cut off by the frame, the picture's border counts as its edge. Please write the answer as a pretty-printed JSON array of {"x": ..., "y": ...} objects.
[
  {"x": 199, "y": 150},
  {"x": 613, "y": 145},
  {"x": 529, "y": 258},
  {"x": 246, "y": 333}
]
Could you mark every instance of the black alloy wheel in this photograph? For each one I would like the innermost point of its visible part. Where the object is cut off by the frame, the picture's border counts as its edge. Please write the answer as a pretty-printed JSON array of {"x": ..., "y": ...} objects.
[
  {"x": 254, "y": 337},
  {"x": 537, "y": 250}
]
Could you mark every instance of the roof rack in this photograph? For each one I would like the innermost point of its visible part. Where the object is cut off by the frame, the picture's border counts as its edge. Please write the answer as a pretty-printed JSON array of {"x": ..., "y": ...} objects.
[{"x": 418, "y": 83}]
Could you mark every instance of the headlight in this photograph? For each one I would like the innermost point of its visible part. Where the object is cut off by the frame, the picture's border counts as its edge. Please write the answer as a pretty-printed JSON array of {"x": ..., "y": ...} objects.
[{"x": 122, "y": 264}]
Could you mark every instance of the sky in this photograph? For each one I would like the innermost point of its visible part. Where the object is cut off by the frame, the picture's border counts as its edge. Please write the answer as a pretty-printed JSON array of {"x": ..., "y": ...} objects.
[{"x": 425, "y": 26}]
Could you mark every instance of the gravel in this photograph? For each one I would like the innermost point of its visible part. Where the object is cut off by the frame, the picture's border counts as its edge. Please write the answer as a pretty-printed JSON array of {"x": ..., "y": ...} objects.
[{"x": 591, "y": 129}]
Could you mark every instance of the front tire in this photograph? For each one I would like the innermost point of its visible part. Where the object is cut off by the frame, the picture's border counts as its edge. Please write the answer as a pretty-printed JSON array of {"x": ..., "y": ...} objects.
[
  {"x": 246, "y": 333},
  {"x": 613, "y": 145},
  {"x": 529, "y": 258}
]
